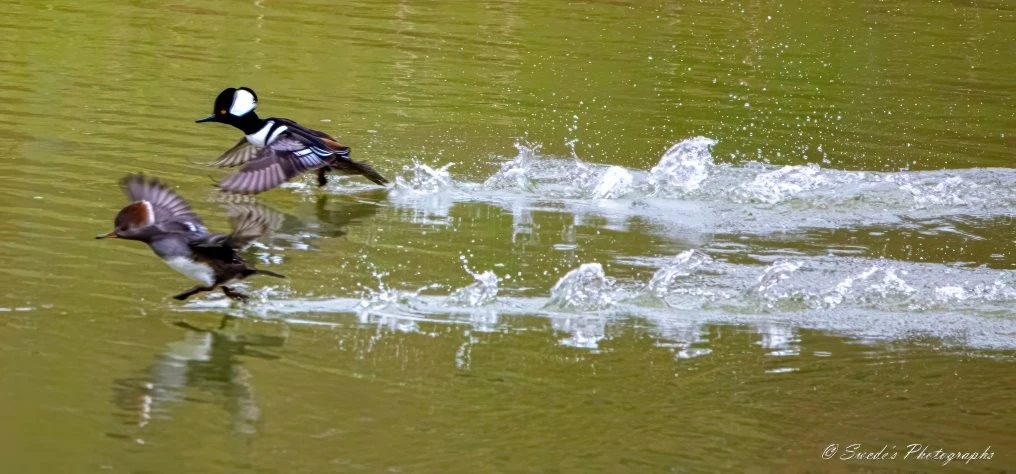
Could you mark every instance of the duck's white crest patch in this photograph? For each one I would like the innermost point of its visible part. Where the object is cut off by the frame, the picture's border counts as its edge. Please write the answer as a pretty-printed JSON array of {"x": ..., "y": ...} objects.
[
  {"x": 260, "y": 137},
  {"x": 149, "y": 213},
  {"x": 243, "y": 102},
  {"x": 196, "y": 271}
]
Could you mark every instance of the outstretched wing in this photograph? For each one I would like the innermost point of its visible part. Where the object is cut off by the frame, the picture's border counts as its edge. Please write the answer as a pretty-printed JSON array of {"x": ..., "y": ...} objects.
[
  {"x": 167, "y": 207},
  {"x": 286, "y": 157},
  {"x": 241, "y": 153}
]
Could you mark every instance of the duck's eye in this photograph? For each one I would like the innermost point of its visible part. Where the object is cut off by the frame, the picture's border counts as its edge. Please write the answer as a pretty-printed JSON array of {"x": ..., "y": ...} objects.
[
  {"x": 123, "y": 228},
  {"x": 222, "y": 112}
]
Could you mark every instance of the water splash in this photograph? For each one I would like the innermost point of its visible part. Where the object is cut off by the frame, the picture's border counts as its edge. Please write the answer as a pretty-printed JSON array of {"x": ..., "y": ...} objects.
[
  {"x": 429, "y": 191},
  {"x": 482, "y": 291},
  {"x": 681, "y": 266},
  {"x": 586, "y": 288},
  {"x": 377, "y": 300},
  {"x": 683, "y": 168},
  {"x": 571, "y": 178},
  {"x": 775, "y": 274},
  {"x": 870, "y": 299},
  {"x": 423, "y": 179},
  {"x": 515, "y": 174},
  {"x": 614, "y": 183},
  {"x": 875, "y": 285},
  {"x": 950, "y": 191},
  {"x": 686, "y": 189},
  {"x": 386, "y": 306},
  {"x": 688, "y": 195},
  {"x": 785, "y": 183}
]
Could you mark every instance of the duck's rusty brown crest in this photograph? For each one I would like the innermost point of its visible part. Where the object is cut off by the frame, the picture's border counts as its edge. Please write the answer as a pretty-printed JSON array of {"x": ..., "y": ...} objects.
[{"x": 135, "y": 215}]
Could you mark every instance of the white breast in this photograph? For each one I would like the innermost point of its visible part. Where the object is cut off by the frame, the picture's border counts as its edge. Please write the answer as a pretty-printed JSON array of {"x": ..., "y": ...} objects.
[
  {"x": 261, "y": 137},
  {"x": 197, "y": 271}
]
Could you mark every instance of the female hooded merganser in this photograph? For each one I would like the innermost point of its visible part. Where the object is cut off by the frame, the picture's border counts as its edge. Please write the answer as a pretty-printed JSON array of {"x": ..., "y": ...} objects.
[
  {"x": 274, "y": 150},
  {"x": 160, "y": 218}
]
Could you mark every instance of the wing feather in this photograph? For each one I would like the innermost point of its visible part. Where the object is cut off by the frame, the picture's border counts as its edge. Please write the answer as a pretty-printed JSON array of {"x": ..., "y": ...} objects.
[
  {"x": 241, "y": 153},
  {"x": 285, "y": 158}
]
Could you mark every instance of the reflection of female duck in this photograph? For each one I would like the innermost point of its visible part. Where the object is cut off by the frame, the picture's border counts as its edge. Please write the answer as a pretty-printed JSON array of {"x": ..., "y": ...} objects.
[{"x": 206, "y": 360}]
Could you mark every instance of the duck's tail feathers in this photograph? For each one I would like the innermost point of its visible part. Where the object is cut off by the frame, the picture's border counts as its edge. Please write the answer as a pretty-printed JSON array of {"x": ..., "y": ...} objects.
[{"x": 360, "y": 168}]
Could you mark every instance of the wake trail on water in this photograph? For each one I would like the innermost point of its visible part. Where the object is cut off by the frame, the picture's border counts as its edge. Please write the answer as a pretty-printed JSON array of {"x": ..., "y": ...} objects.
[
  {"x": 687, "y": 191},
  {"x": 687, "y": 188}
]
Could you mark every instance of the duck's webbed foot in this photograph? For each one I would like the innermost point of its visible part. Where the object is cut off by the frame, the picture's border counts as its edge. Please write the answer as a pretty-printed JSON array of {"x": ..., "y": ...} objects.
[
  {"x": 192, "y": 292},
  {"x": 236, "y": 295},
  {"x": 322, "y": 178}
]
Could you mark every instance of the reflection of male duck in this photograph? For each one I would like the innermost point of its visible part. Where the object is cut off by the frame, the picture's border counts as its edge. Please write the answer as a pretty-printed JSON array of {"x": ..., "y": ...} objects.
[
  {"x": 289, "y": 231},
  {"x": 205, "y": 366},
  {"x": 336, "y": 218}
]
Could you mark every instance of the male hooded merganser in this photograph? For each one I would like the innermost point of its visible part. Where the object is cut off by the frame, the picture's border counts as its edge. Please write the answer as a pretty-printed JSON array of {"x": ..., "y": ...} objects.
[
  {"x": 160, "y": 218},
  {"x": 274, "y": 150}
]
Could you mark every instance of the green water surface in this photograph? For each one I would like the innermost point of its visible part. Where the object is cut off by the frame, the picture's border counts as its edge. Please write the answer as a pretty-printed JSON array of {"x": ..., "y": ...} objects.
[{"x": 103, "y": 372}]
